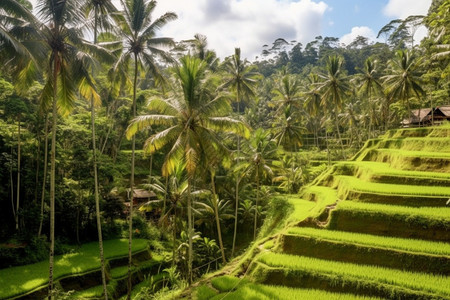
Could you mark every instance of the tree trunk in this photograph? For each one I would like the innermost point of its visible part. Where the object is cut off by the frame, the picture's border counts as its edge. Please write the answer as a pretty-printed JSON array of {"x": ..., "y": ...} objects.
[
  {"x": 190, "y": 233},
  {"x": 338, "y": 132},
  {"x": 38, "y": 156},
  {"x": 328, "y": 148},
  {"x": 133, "y": 148},
  {"x": 216, "y": 213},
  {"x": 97, "y": 201},
  {"x": 18, "y": 176},
  {"x": 236, "y": 208},
  {"x": 52, "y": 180},
  {"x": 12, "y": 183},
  {"x": 174, "y": 234},
  {"x": 41, "y": 219},
  {"x": 257, "y": 201}
]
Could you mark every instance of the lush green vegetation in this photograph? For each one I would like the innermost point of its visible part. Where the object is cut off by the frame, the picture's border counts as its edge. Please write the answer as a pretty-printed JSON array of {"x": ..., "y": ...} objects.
[
  {"x": 266, "y": 292},
  {"x": 353, "y": 183},
  {"x": 416, "y": 281},
  {"x": 412, "y": 245},
  {"x": 23, "y": 279},
  {"x": 428, "y": 214},
  {"x": 229, "y": 287}
]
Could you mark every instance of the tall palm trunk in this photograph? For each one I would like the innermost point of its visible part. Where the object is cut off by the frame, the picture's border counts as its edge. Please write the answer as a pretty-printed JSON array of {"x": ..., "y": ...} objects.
[
  {"x": 257, "y": 202},
  {"x": 133, "y": 148},
  {"x": 18, "y": 175},
  {"x": 174, "y": 234},
  {"x": 41, "y": 217},
  {"x": 216, "y": 213},
  {"x": 236, "y": 208},
  {"x": 336, "y": 121},
  {"x": 190, "y": 233},
  {"x": 94, "y": 162},
  {"x": 97, "y": 202},
  {"x": 52, "y": 177},
  {"x": 11, "y": 180}
]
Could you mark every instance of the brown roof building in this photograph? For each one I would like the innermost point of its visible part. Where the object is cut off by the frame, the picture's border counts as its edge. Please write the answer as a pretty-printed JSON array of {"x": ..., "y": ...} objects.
[{"x": 428, "y": 116}]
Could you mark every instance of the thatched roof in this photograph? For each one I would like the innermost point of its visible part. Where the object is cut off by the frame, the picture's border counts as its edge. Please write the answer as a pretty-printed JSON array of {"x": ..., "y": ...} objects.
[
  {"x": 445, "y": 110},
  {"x": 415, "y": 118},
  {"x": 143, "y": 194}
]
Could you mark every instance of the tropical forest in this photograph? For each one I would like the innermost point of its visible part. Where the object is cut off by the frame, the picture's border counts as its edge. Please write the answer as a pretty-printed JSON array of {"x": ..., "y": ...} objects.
[{"x": 137, "y": 166}]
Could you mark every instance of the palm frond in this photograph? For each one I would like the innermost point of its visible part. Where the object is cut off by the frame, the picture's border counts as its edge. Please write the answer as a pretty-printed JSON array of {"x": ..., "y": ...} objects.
[{"x": 143, "y": 122}]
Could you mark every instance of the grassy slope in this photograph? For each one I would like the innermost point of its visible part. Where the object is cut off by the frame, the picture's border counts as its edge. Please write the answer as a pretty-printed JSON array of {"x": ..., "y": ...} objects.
[
  {"x": 415, "y": 281},
  {"x": 413, "y": 245},
  {"x": 23, "y": 279},
  {"x": 385, "y": 188},
  {"x": 408, "y": 146}
]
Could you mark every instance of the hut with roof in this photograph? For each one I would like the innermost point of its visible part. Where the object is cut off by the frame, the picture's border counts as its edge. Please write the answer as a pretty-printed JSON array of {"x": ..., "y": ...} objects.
[{"x": 428, "y": 116}]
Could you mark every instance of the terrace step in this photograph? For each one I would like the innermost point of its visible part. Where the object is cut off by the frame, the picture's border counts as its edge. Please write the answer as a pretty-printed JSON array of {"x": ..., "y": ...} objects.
[
  {"x": 428, "y": 144},
  {"x": 438, "y": 131},
  {"x": 250, "y": 290},
  {"x": 426, "y": 223},
  {"x": 404, "y": 254},
  {"x": 119, "y": 276},
  {"x": 409, "y": 160},
  {"x": 383, "y": 173},
  {"x": 306, "y": 272},
  {"x": 352, "y": 188}
]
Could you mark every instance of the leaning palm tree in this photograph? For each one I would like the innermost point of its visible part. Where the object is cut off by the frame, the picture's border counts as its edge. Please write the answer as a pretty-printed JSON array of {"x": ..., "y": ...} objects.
[
  {"x": 334, "y": 88},
  {"x": 404, "y": 80},
  {"x": 192, "y": 117},
  {"x": 141, "y": 48},
  {"x": 242, "y": 79}
]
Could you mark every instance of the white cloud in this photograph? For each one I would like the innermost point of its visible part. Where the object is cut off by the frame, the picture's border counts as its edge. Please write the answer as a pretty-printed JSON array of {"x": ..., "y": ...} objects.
[
  {"x": 405, "y": 8},
  {"x": 358, "y": 31},
  {"x": 401, "y": 9},
  {"x": 247, "y": 24}
]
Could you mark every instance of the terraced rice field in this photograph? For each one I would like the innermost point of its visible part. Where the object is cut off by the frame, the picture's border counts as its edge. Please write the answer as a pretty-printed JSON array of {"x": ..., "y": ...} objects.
[{"x": 379, "y": 228}]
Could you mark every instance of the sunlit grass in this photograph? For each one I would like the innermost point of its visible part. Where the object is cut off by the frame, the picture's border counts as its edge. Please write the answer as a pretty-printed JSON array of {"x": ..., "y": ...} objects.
[
  {"x": 424, "y": 154},
  {"x": 378, "y": 168},
  {"x": 267, "y": 292},
  {"x": 416, "y": 281},
  {"x": 356, "y": 184},
  {"x": 412, "y": 245},
  {"x": 22, "y": 279},
  {"x": 432, "y": 213}
]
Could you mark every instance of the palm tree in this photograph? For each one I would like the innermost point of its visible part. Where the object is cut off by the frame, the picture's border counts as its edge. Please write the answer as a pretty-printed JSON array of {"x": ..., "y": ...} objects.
[
  {"x": 334, "y": 87},
  {"x": 104, "y": 8},
  {"x": 242, "y": 79},
  {"x": 405, "y": 79},
  {"x": 141, "y": 48},
  {"x": 66, "y": 73},
  {"x": 18, "y": 36},
  {"x": 259, "y": 151},
  {"x": 287, "y": 132},
  {"x": 286, "y": 92},
  {"x": 370, "y": 85},
  {"x": 312, "y": 105},
  {"x": 192, "y": 116}
]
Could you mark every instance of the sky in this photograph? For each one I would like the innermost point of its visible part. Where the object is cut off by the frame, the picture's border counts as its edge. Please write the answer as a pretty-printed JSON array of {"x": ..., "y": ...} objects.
[{"x": 250, "y": 24}]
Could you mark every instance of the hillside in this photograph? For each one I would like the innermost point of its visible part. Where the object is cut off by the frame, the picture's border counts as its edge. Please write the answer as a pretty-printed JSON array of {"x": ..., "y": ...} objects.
[{"x": 376, "y": 226}]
